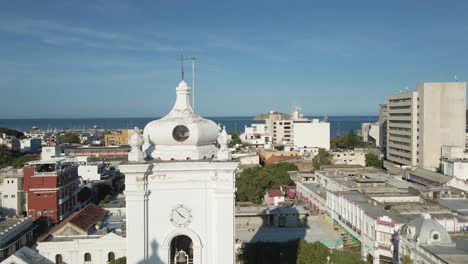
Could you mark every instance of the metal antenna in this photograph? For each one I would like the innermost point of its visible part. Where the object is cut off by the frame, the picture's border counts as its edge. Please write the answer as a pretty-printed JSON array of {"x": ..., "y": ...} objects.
[
  {"x": 193, "y": 81},
  {"x": 182, "y": 65}
]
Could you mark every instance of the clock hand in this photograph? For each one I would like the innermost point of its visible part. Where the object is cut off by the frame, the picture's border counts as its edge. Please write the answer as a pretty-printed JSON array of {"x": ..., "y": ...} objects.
[{"x": 180, "y": 214}]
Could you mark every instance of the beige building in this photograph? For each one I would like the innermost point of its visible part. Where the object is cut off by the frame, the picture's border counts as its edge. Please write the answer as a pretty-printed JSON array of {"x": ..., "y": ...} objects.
[
  {"x": 119, "y": 137},
  {"x": 420, "y": 123}
]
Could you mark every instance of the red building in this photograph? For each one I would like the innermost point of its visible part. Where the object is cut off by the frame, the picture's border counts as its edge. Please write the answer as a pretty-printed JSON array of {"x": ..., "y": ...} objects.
[{"x": 51, "y": 188}]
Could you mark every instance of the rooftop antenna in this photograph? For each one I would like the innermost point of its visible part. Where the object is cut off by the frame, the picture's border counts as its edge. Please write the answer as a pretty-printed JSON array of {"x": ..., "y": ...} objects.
[
  {"x": 182, "y": 59},
  {"x": 182, "y": 65},
  {"x": 193, "y": 81}
]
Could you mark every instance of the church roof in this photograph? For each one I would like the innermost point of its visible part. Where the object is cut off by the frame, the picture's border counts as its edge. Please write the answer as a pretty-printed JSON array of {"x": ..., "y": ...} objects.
[
  {"x": 181, "y": 134},
  {"x": 82, "y": 219},
  {"x": 424, "y": 230}
]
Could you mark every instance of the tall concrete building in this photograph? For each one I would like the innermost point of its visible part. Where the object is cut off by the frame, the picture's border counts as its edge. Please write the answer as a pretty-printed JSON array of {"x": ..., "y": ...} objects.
[
  {"x": 442, "y": 120},
  {"x": 402, "y": 128},
  {"x": 420, "y": 123}
]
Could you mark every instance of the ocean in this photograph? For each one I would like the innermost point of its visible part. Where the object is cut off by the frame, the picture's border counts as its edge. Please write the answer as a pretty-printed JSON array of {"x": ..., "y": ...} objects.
[{"x": 338, "y": 124}]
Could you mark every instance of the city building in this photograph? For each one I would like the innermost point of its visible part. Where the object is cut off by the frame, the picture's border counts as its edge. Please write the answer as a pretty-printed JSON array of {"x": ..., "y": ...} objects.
[
  {"x": 30, "y": 145},
  {"x": 12, "y": 198},
  {"x": 274, "y": 197},
  {"x": 10, "y": 141},
  {"x": 349, "y": 157},
  {"x": 421, "y": 122},
  {"x": 90, "y": 235},
  {"x": 105, "y": 153},
  {"x": 268, "y": 156},
  {"x": 375, "y": 134},
  {"x": 402, "y": 128},
  {"x": 25, "y": 255},
  {"x": 120, "y": 137},
  {"x": 180, "y": 205},
  {"x": 51, "y": 188},
  {"x": 89, "y": 169},
  {"x": 424, "y": 240},
  {"x": 306, "y": 135},
  {"x": 15, "y": 233},
  {"x": 455, "y": 164}
]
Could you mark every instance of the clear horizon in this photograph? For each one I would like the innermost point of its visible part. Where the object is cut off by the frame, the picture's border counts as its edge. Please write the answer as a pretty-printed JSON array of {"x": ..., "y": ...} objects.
[{"x": 108, "y": 59}]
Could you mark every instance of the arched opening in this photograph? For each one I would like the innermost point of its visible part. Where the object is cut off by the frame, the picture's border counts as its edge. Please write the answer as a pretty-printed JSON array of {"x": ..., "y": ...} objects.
[
  {"x": 87, "y": 257},
  {"x": 181, "y": 250},
  {"x": 110, "y": 256},
  {"x": 58, "y": 259}
]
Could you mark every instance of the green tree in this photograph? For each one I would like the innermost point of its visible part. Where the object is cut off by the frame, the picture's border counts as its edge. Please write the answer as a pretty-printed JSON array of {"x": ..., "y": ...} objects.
[
  {"x": 122, "y": 260},
  {"x": 252, "y": 183},
  {"x": 348, "y": 141},
  {"x": 323, "y": 157},
  {"x": 312, "y": 253},
  {"x": 345, "y": 257},
  {"x": 406, "y": 260},
  {"x": 318, "y": 253},
  {"x": 11, "y": 132},
  {"x": 70, "y": 138},
  {"x": 21, "y": 161},
  {"x": 235, "y": 139},
  {"x": 7, "y": 155},
  {"x": 373, "y": 160}
]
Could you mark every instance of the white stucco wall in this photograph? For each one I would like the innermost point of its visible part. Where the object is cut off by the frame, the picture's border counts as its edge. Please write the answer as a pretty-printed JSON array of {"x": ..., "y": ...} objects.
[{"x": 314, "y": 134}]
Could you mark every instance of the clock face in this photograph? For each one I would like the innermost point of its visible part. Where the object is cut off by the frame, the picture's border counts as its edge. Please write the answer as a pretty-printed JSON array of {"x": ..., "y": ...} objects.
[
  {"x": 180, "y": 133},
  {"x": 181, "y": 216}
]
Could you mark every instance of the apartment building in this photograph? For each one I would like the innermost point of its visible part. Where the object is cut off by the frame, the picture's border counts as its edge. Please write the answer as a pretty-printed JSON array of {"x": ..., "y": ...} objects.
[
  {"x": 419, "y": 123},
  {"x": 402, "y": 128},
  {"x": 51, "y": 187}
]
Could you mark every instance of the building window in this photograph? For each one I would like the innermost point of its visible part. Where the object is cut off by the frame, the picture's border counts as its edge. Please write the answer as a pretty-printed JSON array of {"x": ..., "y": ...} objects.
[
  {"x": 13, "y": 196},
  {"x": 110, "y": 256},
  {"x": 87, "y": 257},
  {"x": 58, "y": 259}
]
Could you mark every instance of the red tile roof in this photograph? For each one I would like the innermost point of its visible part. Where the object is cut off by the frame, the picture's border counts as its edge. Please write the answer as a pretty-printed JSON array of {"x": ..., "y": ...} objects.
[
  {"x": 274, "y": 193},
  {"x": 83, "y": 219}
]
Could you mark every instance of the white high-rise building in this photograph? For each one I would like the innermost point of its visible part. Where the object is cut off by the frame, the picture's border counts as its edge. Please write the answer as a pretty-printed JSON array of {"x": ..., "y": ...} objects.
[
  {"x": 420, "y": 123},
  {"x": 180, "y": 204}
]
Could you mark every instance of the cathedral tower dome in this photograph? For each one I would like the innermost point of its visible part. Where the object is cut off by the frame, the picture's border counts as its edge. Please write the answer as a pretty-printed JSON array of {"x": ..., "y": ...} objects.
[{"x": 181, "y": 134}]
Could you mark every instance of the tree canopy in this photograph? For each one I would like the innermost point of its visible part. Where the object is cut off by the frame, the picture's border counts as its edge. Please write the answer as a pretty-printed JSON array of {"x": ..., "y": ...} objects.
[
  {"x": 373, "y": 160},
  {"x": 323, "y": 157},
  {"x": 13, "y": 158},
  {"x": 300, "y": 252},
  {"x": 70, "y": 138},
  {"x": 252, "y": 183},
  {"x": 11, "y": 132},
  {"x": 348, "y": 141},
  {"x": 318, "y": 253},
  {"x": 406, "y": 260},
  {"x": 235, "y": 139}
]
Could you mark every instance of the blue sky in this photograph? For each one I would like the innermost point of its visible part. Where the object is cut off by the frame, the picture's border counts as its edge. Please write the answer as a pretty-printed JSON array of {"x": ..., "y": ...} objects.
[{"x": 118, "y": 58}]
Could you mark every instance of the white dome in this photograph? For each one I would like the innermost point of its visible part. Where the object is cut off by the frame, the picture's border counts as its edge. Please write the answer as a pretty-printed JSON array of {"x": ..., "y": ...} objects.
[
  {"x": 425, "y": 230},
  {"x": 181, "y": 134}
]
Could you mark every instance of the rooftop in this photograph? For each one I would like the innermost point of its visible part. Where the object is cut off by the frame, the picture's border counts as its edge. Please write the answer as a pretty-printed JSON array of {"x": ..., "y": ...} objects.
[{"x": 430, "y": 175}]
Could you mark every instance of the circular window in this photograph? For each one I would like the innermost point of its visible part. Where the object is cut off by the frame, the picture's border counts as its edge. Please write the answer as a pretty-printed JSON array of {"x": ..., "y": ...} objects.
[
  {"x": 435, "y": 236},
  {"x": 180, "y": 133}
]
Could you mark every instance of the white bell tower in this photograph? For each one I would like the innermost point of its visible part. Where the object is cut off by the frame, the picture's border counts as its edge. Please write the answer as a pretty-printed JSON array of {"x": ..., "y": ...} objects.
[{"x": 180, "y": 202}]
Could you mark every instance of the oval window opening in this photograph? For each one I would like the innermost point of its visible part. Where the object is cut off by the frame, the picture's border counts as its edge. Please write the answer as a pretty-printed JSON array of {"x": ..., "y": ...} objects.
[{"x": 180, "y": 133}]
